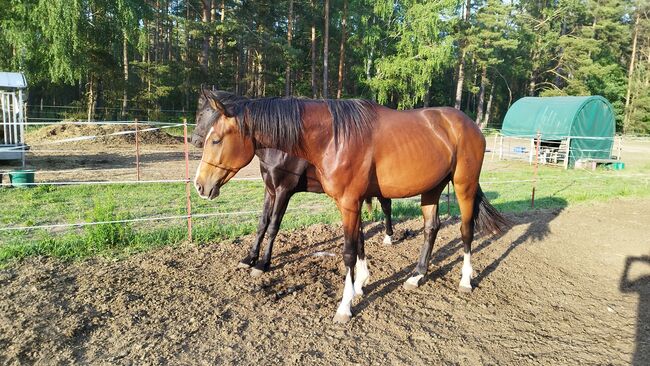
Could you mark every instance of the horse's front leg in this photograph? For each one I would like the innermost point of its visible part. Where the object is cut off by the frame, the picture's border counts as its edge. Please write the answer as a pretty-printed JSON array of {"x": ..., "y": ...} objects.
[
  {"x": 277, "y": 213},
  {"x": 251, "y": 259},
  {"x": 351, "y": 219}
]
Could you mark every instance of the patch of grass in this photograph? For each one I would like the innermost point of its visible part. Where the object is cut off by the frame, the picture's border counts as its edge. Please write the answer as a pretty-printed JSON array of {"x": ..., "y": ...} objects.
[{"x": 505, "y": 185}]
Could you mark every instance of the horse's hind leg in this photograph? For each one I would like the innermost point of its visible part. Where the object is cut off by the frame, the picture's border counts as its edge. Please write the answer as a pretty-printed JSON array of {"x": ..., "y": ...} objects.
[
  {"x": 388, "y": 223},
  {"x": 361, "y": 268},
  {"x": 429, "y": 203},
  {"x": 277, "y": 213},
  {"x": 251, "y": 259},
  {"x": 466, "y": 194}
]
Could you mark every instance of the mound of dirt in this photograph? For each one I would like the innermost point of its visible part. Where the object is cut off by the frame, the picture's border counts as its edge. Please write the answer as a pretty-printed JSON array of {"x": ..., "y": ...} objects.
[{"x": 106, "y": 134}]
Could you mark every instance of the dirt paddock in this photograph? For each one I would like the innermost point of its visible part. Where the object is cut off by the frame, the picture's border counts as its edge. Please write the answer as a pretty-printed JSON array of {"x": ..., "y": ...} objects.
[{"x": 551, "y": 291}]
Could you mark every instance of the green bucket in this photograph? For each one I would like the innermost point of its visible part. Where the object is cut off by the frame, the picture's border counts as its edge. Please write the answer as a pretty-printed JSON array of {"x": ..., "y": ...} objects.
[{"x": 22, "y": 178}]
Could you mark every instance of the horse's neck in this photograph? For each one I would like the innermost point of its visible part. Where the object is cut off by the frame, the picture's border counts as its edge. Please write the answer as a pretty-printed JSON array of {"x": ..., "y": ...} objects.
[{"x": 317, "y": 135}]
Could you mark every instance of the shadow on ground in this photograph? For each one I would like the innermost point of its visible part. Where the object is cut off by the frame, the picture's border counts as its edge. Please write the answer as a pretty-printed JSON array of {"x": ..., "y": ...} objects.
[{"x": 640, "y": 285}]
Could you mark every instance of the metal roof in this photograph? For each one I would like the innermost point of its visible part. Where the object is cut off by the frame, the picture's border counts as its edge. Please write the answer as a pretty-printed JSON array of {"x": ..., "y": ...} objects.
[{"x": 12, "y": 80}]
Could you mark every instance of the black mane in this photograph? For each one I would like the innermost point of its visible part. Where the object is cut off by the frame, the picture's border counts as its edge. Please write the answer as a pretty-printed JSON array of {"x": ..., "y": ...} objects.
[{"x": 280, "y": 119}]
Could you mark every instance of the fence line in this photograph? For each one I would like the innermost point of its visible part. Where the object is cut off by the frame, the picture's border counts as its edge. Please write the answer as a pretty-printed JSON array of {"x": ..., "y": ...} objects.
[
  {"x": 154, "y": 181},
  {"x": 83, "y": 108},
  {"x": 142, "y": 219},
  {"x": 187, "y": 180},
  {"x": 116, "y": 122},
  {"x": 110, "y": 182}
]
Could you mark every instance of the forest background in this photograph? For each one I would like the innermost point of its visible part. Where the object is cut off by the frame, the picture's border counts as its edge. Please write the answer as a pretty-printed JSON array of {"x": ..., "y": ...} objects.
[{"x": 124, "y": 59}]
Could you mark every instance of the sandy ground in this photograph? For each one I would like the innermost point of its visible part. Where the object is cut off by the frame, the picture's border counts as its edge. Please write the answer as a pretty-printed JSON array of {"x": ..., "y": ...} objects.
[{"x": 553, "y": 291}]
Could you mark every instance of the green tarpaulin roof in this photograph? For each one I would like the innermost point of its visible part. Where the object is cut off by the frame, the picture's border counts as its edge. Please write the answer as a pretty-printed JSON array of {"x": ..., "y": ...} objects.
[
  {"x": 588, "y": 122},
  {"x": 559, "y": 117}
]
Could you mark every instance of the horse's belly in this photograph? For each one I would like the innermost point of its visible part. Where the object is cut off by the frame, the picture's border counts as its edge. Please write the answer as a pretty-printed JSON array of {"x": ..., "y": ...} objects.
[{"x": 410, "y": 179}]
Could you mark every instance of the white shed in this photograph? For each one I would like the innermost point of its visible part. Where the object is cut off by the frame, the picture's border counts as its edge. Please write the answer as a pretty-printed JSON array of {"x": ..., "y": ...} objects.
[{"x": 12, "y": 142}]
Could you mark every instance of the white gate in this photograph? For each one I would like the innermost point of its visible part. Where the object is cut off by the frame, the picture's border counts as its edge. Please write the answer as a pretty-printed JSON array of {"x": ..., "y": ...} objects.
[{"x": 12, "y": 108}]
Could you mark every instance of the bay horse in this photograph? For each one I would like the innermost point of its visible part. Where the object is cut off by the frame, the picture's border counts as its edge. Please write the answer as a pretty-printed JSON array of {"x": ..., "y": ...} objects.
[
  {"x": 283, "y": 175},
  {"x": 360, "y": 149}
]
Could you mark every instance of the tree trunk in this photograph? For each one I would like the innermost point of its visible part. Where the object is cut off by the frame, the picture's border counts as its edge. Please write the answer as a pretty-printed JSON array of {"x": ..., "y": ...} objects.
[
  {"x": 481, "y": 96},
  {"x": 125, "y": 61},
  {"x": 91, "y": 98},
  {"x": 486, "y": 118},
  {"x": 205, "y": 50},
  {"x": 187, "y": 58},
  {"x": 249, "y": 74},
  {"x": 238, "y": 61},
  {"x": 461, "y": 80},
  {"x": 326, "y": 43},
  {"x": 339, "y": 90},
  {"x": 471, "y": 95},
  {"x": 156, "y": 33},
  {"x": 369, "y": 62},
  {"x": 287, "y": 84},
  {"x": 314, "y": 87},
  {"x": 222, "y": 39},
  {"x": 260, "y": 76},
  {"x": 461, "y": 62},
  {"x": 630, "y": 71}
]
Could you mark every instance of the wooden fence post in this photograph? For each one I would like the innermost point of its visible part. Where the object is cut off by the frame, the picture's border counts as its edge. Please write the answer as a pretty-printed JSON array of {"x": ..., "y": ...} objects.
[
  {"x": 187, "y": 182},
  {"x": 567, "y": 156},
  {"x": 137, "y": 150},
  {"x": 537, "y": 145}
]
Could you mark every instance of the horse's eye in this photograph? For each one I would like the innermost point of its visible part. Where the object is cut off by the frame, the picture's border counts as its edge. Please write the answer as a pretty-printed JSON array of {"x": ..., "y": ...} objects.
[{"x": 215, "y": 142}]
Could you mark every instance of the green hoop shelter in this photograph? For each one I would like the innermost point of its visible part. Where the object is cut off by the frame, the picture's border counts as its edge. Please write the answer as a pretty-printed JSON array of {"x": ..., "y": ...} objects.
[{"x": 585, "y": 123}]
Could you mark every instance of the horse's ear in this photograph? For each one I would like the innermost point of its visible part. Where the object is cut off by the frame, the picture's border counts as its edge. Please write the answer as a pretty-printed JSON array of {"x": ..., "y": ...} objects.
[
  {"x": 217, "y": 105},
  {"x": 205, "y": 93}
]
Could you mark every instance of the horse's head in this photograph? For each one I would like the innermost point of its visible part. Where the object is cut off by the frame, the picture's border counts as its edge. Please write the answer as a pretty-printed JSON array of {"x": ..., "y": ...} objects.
[
  {"x": 226, "y": 149},
  {"x": 206, "y": 115}
]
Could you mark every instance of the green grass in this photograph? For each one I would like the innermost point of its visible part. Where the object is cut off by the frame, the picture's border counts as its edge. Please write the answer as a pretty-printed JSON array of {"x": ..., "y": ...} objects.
[{"x": 44, "y": 205}]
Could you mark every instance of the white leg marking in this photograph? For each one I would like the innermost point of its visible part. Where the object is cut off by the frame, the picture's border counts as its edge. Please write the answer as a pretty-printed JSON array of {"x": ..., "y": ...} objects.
[
  {"x": 388, "y": 240},
  {"x": 414, "y": 281},
  {"x": 348, "y": 295},
  {"x": 466, "y": 271},
  {"x": 361, "y": 275}
]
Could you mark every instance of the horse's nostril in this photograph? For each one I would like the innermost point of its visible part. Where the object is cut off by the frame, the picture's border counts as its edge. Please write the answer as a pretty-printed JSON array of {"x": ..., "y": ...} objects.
[{"x": 199, "y": 188}]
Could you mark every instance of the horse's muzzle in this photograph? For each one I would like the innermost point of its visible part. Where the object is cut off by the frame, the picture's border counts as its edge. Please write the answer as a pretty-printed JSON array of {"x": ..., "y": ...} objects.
[
  {"x": 204, "y": 193},
  {"x": 197, "y": 141}
]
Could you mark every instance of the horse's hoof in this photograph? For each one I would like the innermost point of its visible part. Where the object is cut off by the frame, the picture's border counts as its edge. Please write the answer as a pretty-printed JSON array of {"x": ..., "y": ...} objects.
[
  {"x": 412, "y": 283},
  {"x": 256, "y": 272},
  {"x": 388, "y": 240},
  {"x": 464, "y": 290},
  {"x": 342, "y": 318},
  {"x": 243, "y": 265}
]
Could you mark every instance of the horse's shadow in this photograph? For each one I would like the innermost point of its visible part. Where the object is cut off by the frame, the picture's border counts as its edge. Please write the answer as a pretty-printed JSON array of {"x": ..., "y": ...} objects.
[
  {"x": 537, "y": 230},
  {"x": 640, "y": 285}
]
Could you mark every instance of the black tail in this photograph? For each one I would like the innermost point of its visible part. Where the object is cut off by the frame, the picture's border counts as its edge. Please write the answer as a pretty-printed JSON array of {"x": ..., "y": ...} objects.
[{"x": 486, "y": 218}]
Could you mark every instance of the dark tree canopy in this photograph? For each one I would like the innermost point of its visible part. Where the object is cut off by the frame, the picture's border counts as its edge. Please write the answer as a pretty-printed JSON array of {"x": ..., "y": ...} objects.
[{"x": 146, "y": 58}]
